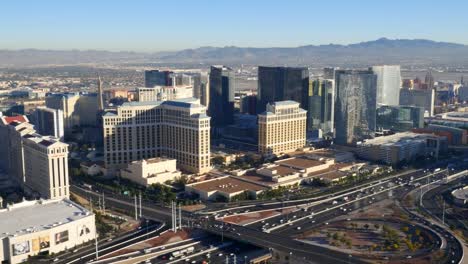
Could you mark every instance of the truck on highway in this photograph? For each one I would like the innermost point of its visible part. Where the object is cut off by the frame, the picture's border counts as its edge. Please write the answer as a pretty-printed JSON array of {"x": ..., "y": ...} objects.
[{"x": 182, "y": 252}]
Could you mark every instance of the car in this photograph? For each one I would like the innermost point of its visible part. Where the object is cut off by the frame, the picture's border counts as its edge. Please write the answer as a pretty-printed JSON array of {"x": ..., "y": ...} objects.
[
  {"x": 298, "y": 228},
  {"x": 220, "y": 254}
]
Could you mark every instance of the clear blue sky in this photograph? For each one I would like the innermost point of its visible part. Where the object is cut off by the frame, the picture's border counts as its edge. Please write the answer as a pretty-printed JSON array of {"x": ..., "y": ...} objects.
[{"x": 144, "y": 25}]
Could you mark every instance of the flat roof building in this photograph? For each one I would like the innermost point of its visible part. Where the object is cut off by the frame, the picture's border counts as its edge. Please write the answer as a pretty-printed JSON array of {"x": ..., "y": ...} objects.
[
  {"x": 43, "y": 226},
  {"x": 226, "y": 187},
  {"x": 400, "y": 147},
  {"x": 151, "y": 171}
]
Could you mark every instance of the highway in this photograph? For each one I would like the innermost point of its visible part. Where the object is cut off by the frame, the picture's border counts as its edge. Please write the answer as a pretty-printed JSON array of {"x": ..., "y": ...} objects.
[
  {"x": 320, "y": 214},
  {"x": 323, "y": 211},
  {"x": 89, "y": 253},
  {"x": 311, "y": 253}
]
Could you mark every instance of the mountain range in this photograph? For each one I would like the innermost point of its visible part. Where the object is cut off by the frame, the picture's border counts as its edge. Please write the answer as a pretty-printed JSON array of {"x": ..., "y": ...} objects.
[{"x": 381, "y": 51}]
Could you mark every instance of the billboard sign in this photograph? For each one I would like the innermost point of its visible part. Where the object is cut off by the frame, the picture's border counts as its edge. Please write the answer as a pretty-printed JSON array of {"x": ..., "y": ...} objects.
[
  {"x": 21, "y": 248},
  {"x": 61, "y": 237},
  {"x": 40, "y": 243}
]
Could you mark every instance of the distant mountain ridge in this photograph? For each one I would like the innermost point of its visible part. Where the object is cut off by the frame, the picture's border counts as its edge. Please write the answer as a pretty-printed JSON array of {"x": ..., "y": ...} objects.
[{"x": 383, "y": 50}]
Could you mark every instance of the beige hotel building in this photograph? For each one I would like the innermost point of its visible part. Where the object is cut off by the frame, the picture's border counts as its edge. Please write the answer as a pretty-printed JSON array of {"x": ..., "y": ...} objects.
[
  {"x": 142, "y": 130},
  {"x": 46, "y": 166},
  {"x": 281, "y": 128}
]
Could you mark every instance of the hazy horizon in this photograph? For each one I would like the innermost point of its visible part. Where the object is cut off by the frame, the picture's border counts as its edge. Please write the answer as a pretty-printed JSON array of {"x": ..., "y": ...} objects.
[
  {"x": 323, "y": 44},
  {"x": 157, "y": 26}
]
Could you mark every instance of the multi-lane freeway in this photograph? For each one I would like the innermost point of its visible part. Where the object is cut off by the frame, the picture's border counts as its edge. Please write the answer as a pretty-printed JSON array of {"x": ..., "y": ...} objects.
[{"x": 275, "y": 232}]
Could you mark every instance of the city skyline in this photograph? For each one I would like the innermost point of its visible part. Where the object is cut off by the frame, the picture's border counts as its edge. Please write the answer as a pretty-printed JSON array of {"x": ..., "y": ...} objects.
[
  {"x": 331, "y": 132},
  {"x": 123, "y": 26}
]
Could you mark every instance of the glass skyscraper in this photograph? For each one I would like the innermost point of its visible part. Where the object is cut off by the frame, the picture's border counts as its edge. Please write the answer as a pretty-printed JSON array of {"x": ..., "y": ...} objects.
[
  {"x": 221, "y": 101},
  {"x": 355, "y": 106},
  {"x": 388, "y": 84},
  {"x": 280, "y": 84},
  {"x": 320, "y": 106},
  {"x": 158, "y": 78}
]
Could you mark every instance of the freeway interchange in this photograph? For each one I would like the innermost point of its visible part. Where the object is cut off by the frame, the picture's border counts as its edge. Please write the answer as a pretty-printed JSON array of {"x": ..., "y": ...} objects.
[{"x": 275, "y": 233}]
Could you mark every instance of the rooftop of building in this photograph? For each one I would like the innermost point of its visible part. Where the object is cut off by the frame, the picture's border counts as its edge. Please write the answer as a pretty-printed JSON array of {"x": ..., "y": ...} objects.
[
  {"x": 45, "y": 141},
  {"x": 6, "y": 120},
  {"x": 68, "y": 95},
  {"x": 227, "y": 185},
  {"x": 285, "y": 103},
  {"x": 32, "y": 216},
  {"x": 455, "y": 116},
  {"x": 253, "y": 176},
  {"x": 300, "y": 162},
  {"x": 398, "y": 138},
  {"x": 183, "y": 102},
  {"x": 282, "y": 170}
]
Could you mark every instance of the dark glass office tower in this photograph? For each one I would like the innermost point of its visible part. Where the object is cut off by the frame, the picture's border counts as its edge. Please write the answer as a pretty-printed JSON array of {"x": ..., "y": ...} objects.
[
  {"x": 280, "y": 84},
  {"x": 158, "y": 78},
  {"x": 221, "y": 101},
  {"x": 355, "y": 106},
  {"x": 320, "y": 106}
]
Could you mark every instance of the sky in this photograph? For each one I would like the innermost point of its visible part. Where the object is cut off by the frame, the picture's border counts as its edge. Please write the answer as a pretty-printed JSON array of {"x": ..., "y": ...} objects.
[{"x": 157, "y": 25}]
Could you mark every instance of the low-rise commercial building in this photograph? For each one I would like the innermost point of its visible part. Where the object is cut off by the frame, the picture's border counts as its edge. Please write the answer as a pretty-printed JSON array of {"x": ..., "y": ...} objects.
[
  {"x": 455, "y": 136},
  {"x": 40, "y": 227},
  {"x": 225, "y": 187},
  {"x": 151, "y": 171},
  {"x": 400, "y": 147},
  {"x": 450, "y": 119}
]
